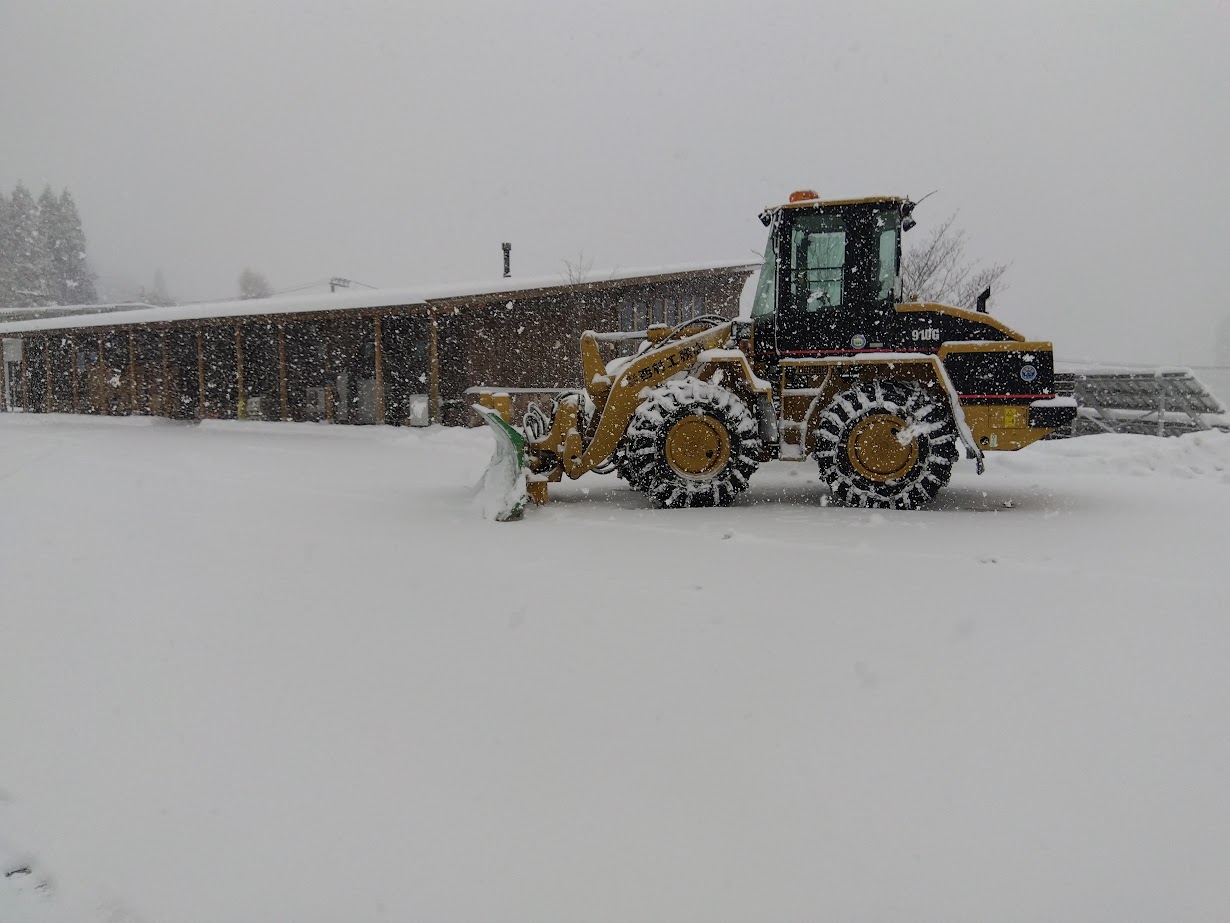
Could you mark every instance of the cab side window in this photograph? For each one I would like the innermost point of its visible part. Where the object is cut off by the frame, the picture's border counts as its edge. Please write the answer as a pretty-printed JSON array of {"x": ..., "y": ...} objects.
[{"x": 888, "y": 263}]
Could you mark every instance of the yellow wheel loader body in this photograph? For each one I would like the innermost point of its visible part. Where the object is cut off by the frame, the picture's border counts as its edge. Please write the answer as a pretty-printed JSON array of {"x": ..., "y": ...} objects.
[{"x": 833, "y": 364}]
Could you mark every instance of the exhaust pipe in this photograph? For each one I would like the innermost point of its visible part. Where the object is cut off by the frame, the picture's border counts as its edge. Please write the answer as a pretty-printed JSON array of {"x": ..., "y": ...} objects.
[{"x": 983, "y": 299}]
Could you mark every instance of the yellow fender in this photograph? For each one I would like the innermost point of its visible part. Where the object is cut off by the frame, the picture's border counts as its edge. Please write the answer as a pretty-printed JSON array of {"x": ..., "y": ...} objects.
[{"x": 620, "y": 390}]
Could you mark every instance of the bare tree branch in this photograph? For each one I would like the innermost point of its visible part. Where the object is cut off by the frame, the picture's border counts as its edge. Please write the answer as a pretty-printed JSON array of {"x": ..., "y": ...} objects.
[
  {"x": 936, "y": 269},
  {"x": 577, "y": 271},
  {"x": 253, "y": 285}
]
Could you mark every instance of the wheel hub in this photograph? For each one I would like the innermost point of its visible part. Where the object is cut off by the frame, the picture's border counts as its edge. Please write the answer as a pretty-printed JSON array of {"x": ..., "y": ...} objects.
[
  {"x": 697, "y": 446},
  {"x": 877, "y": 453}
]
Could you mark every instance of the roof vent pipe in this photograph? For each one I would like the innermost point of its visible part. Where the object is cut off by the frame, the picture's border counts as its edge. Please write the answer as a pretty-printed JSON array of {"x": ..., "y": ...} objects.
[{"x": 507, "y": 259}]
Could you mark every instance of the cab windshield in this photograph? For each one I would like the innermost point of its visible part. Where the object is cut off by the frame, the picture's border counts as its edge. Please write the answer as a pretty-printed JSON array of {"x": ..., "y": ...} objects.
[
  {"x": 765, "y": 302},
  {"x": 842, "y": 256}
]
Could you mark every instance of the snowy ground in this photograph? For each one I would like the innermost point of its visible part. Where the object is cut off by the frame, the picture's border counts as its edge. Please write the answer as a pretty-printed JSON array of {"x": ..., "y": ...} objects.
[{"x": 286, "y": 673}]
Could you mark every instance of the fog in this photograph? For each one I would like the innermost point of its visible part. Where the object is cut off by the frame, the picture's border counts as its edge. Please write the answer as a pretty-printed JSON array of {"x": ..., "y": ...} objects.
[{"x": 399, "y": 143}]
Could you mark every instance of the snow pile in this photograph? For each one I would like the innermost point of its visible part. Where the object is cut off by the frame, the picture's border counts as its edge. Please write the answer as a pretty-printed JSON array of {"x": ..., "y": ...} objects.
[
  {"x": 1194, "y": 455},
  {"x": 501, "y": 494},
  {"x": 501, "y": 490}
]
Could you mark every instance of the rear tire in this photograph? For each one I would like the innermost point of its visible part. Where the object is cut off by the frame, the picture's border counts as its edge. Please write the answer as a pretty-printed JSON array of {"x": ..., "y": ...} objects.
[
  {"x": 865, "y": 463},
  {"x": 691, "y": 443}
]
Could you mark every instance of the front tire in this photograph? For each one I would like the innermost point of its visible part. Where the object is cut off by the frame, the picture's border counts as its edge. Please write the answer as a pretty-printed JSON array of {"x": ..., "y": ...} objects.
[
  {"x": 691, "y": 443},
  {"x": 885, "y": 444},
  {"x": 623, "y": 466}
]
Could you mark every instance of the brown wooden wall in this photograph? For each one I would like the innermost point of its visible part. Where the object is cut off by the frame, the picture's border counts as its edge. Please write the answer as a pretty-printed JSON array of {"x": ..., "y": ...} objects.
[
  {"x": 361, "y": 366},
  {"x": 534, "y": 342}
]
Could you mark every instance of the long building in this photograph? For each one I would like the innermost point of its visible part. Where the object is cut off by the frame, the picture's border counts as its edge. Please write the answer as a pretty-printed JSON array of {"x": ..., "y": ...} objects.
[{"x": 400, "y": 357}]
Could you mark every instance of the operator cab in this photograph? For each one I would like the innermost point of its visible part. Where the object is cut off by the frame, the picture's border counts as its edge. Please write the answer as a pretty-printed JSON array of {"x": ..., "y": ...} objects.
[{"x": 831, "y": 276}]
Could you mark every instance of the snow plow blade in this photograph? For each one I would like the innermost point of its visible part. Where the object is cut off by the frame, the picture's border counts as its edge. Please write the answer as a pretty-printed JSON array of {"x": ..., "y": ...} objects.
[{"x": 502, "y": 492}]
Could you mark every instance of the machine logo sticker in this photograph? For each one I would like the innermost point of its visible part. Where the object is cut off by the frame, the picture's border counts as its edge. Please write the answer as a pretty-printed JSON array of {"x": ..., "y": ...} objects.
[
  {"x": 1028, "y": 373},
  {"x": 685, "y": 355},
  {"x": 858, "y": 341}
]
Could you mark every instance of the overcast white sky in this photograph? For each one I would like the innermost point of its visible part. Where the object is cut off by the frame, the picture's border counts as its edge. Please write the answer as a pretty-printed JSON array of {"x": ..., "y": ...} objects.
[{"x": 400, "y": 142}]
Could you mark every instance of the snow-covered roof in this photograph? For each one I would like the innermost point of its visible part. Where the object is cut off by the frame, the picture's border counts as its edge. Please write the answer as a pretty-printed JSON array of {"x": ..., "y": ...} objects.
[
  {"x": 354, "y": 300},
  {"x": 64, "y": 310}
]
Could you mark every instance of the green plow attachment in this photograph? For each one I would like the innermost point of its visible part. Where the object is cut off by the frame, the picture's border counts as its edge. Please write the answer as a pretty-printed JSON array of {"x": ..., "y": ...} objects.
[{"x": 502, "y": 491}]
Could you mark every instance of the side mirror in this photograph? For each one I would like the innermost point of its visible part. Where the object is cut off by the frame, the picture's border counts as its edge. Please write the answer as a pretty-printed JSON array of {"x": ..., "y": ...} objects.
[{"x": 906, "y": 223}]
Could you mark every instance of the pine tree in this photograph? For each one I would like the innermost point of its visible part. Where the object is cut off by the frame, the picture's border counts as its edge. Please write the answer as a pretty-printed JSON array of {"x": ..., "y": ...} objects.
[
  {"x": 51, "y": 236},
  {"x": 8, "y": 251},
  {"x": 32, "y": 270},
  {"x": 72, "y": 282}
]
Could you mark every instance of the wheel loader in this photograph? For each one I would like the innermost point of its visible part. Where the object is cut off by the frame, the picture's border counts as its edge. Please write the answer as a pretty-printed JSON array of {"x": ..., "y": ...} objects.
[{"x": 832, "y": 365}]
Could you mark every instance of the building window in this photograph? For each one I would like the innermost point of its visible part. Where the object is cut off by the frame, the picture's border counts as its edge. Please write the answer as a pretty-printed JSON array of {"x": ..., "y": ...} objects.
[{"x": 627, "y": 315}]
